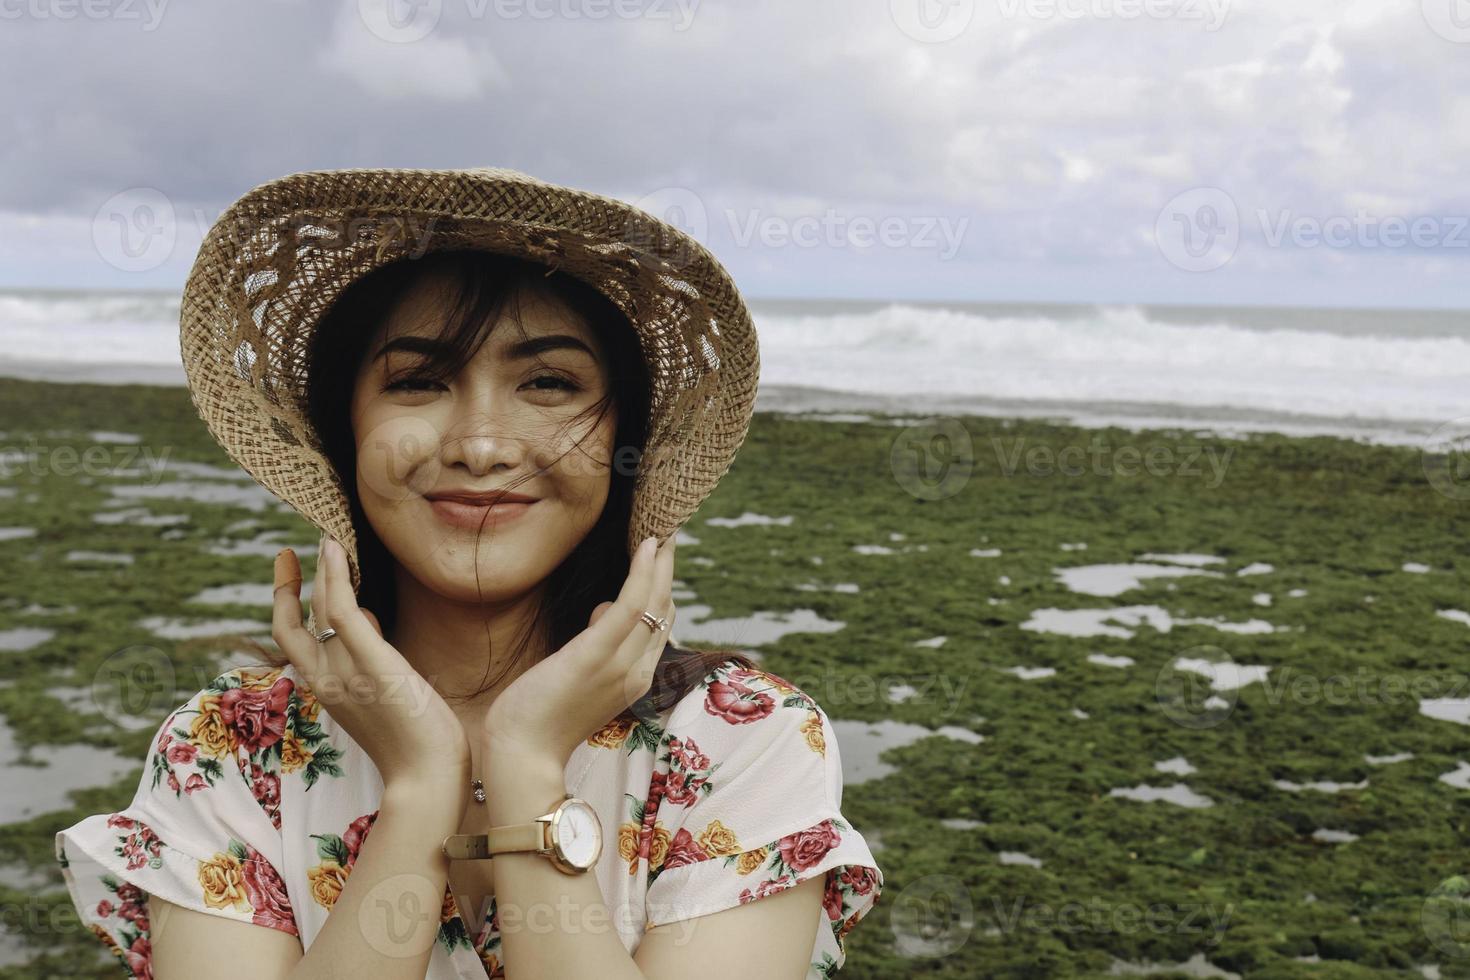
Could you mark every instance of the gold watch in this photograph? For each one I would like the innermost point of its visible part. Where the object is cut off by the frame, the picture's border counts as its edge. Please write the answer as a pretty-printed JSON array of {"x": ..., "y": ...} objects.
[{"x": 570, "y": 836}]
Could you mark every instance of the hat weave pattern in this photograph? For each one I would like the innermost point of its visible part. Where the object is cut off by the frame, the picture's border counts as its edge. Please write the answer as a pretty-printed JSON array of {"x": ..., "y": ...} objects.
[{"x": 274, "y": 262}]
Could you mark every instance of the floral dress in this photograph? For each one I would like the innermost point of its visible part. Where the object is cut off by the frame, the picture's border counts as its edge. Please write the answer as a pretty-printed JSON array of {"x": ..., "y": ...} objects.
[{"x": 254, "y": 804}]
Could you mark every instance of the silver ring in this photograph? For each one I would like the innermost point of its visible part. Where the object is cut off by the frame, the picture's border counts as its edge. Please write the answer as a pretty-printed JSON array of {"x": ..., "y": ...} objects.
[
  {"x": 657, "y": 624},
  {"x": 325, "y": 635}
]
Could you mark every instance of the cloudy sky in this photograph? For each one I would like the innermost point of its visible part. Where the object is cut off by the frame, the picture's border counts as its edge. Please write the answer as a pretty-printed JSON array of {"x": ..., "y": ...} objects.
[{"x": 1299, "y": 152}]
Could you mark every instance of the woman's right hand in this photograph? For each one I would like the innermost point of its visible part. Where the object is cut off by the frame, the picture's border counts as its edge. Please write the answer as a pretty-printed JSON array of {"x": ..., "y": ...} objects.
[{"x": 401, "y": 722}]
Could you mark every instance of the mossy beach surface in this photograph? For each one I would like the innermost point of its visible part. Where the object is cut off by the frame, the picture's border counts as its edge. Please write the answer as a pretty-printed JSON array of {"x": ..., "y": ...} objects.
[{"x": 1243, "y": 751}]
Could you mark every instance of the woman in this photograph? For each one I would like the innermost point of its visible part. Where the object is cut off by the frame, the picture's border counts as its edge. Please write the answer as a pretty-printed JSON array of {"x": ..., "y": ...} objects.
[{"x": 498, "y": 399}]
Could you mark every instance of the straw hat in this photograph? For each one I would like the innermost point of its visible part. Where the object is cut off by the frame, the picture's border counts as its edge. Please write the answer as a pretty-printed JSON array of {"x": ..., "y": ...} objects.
[{"x": 277, "y": 258}]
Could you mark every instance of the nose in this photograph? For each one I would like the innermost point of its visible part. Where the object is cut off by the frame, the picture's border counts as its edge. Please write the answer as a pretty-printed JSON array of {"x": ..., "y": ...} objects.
[{"x": 480, "y": 452}]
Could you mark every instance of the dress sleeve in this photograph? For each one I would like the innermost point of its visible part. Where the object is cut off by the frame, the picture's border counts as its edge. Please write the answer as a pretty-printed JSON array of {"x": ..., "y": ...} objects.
[
  {"x": 746, "y": 801},
  {"x": 203, "y": 829}
]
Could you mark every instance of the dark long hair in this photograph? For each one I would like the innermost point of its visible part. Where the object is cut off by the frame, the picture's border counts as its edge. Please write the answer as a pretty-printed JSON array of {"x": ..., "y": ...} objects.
[{"x": 481, "y": 285}]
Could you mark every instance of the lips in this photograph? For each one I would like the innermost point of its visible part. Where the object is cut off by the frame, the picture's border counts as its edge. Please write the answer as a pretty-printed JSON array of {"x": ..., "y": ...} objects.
[
  {"x": 481, "y": 498},
  {"x": 476, "y": 512}
]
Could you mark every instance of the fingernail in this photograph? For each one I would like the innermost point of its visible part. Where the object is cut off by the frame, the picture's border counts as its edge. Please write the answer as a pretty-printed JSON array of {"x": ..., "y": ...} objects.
[{"x": 647, "y": 544}]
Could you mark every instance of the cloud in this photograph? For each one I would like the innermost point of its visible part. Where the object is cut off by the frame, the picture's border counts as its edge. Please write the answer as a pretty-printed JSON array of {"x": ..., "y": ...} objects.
[{"x": 1058, "y": 129}]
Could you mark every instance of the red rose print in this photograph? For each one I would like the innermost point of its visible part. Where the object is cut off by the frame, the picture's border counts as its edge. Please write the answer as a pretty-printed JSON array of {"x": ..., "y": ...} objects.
[
  {"x": 104, "y": 908},
  {"x": 258, "y": 718},
  {"x": 650, "y": 814},
  {"x": 356, "y": 833},
  {"x": 134, "y": 912},
  {"x": 141, "y": 847},
  {"x": 181, "y": 753},
  {"x": 805, "y": 848},
  {"x": 859, "y": 878},
  {"x": 832, "y": 899},
  {"x": 267, "y": 789},
  {"x": 194, "y": 782},
  {"x": 683, "y": 849},
  {"x": 267, "y": 893},
  {"x": 679, "y": 789},
  {"x": 129, "y": 894},
  {"x": 736, "y": 703},
  {"x": 686, "y": 755},
  {"x": 140, "y": 958},
  {"x": 118, "y": 820},
  {"x": 173, "y": 782},
  {"x": 765, "y": 888}
]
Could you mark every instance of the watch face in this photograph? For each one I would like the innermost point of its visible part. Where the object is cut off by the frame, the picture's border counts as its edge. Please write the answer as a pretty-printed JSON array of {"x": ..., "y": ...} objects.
[{"x": 579, "y": 833}]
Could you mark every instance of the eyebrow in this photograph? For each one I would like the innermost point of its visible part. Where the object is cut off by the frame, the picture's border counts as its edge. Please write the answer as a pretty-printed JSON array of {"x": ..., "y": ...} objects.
[{"x": 520, "y": 350}]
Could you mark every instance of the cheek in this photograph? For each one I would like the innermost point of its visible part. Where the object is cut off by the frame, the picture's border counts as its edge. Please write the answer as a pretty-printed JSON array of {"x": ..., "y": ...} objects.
[
  {"x": 584, "y": 471},
  {"x": 397, "y": 456}
]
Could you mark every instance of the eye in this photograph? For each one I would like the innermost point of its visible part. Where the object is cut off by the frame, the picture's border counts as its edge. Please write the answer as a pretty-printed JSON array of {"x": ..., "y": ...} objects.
[
  {"x": 557, "y": 380},
  {"x": 410, "y": 384}
]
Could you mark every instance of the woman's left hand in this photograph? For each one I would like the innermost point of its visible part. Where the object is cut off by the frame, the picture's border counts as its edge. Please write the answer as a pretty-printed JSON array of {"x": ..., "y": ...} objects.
[{"x": 558, "y": 703}]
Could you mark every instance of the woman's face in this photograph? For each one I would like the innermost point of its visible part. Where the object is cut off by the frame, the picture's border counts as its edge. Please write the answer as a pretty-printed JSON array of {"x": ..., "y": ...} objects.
[{"x": 501, "y": 421}]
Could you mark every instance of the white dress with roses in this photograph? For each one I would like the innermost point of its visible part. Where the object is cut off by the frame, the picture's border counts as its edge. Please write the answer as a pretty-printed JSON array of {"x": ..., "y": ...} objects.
[{"x": 253, "y": 806}]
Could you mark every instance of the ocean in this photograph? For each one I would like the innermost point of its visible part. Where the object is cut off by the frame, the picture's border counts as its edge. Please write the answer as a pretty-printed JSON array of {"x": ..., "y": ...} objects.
[{"x": 1390, "y": 376}]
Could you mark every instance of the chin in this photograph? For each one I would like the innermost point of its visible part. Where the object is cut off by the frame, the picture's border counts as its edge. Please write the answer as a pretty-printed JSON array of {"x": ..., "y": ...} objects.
[{"x": 504, "y": 572}]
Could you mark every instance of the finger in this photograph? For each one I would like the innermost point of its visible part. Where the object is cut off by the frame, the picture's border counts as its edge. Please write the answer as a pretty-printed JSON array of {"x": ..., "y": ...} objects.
[
  {"x": 612, "y": 626},
  {"x": 319, "y": 619},
  {"x": 601, "y": 608},
  {"x": 286, "y": 627},
  {"x": 339, "y": 606},
  {"x": 661, "y": 603},
  {"x": 288, "y": 578},
  {"x": 372, "y": 619},
  {"x": 641, "y": 639}
]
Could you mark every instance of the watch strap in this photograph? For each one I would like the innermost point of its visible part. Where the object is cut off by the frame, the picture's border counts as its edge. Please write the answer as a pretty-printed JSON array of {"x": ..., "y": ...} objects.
[
  {"x": 531, "y": 836},
  {"x": 517, "y": 837}
]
